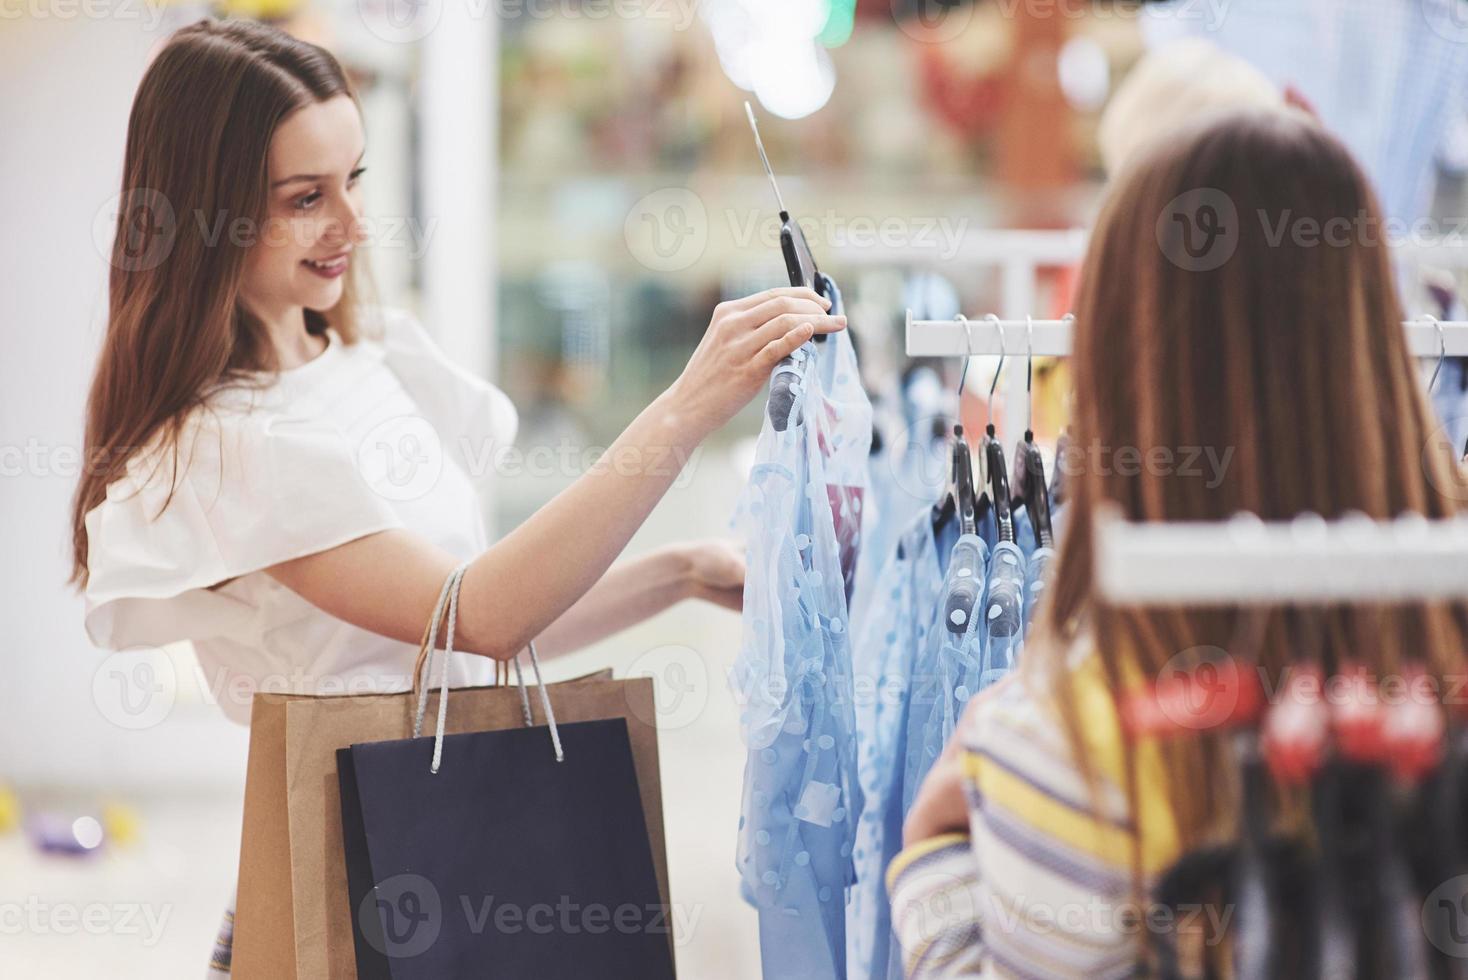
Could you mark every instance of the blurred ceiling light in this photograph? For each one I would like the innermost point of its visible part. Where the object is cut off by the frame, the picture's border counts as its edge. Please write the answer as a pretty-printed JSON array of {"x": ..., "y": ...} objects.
[
  {"x": 793, "y": 80},
  {"x": 1085, "y": 74},
  {"x": 770, "y": 47},
  {"x": 734, "y": 35},
  {"x": 788, "y": 19}
]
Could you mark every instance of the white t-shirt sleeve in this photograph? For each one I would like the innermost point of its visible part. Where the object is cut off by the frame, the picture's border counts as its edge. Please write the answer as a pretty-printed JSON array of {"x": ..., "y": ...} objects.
[
  {"x": 255, "y": 488},
  {"x": 474, "y": 419}
]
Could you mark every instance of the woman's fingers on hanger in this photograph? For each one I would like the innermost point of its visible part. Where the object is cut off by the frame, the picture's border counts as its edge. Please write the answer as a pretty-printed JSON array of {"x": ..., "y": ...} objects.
[
  {"x": 829, "y": 324},
  {"x": 756, "y": 316},
  {"x": 746, "y": 303},
  {"x": 781, "y": 347},
  {"x": 782, "y": 325}
]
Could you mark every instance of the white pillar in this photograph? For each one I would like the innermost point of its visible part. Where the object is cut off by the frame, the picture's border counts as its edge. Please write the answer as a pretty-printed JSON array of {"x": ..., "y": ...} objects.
[{"x": 458, "y": 171}]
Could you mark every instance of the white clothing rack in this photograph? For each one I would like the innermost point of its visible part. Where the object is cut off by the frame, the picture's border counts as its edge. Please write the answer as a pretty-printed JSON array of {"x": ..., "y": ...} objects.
[
  {"x": 952, "y": 338},
  {"x": 1016, "y": 338},
  {"x": 1306, "y": 561}
]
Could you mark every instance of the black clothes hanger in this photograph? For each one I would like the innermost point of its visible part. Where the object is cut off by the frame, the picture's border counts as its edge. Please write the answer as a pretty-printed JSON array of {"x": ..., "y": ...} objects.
[
  {"x": 1259, "y": 944},
  {"x": 961, "y": 600},
  {"x": 964, "y": 594},
  {"x": 1029, "y": 464},
  {"x": 801, "y": 269},
  {"x": 1434, "y": 832},
  {"x": 998, "y": 484},
  {"x": 960, "y": 499},
  {"x": 994, "y": 453},
  {"x": 1036, "y": 493},
  {"x": 963, "y": 476},
  {"x": 1364, "y": 882}
]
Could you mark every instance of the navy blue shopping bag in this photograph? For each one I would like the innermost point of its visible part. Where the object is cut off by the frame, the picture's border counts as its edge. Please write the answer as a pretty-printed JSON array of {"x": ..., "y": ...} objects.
[{"x": 518, "y": 854}]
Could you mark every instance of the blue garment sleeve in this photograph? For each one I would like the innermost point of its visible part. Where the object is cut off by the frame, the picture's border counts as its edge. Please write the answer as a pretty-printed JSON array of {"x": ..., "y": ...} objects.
[{"x": 949, "y": 666}]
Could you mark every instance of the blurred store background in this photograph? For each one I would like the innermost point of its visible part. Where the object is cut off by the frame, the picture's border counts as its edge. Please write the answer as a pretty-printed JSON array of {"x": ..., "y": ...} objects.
[{"x": 562, "y": 189}]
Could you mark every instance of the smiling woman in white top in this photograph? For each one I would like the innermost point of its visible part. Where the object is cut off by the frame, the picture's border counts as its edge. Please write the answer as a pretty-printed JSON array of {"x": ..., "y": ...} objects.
[
  {"x": 285, "y": 476},
  {"x": 343, "y": 445}
]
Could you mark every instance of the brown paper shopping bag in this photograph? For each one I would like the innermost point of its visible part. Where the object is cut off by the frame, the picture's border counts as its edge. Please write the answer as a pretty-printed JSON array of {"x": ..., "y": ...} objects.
[{"x": 292, "y": 914}]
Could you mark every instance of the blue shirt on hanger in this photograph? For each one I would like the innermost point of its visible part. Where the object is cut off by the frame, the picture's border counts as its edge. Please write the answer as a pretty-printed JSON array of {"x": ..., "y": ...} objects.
[
  {"x": 801, "y": 517},
  {"x": 901, "y": 728},
  {"x": 902, "y": 611}
]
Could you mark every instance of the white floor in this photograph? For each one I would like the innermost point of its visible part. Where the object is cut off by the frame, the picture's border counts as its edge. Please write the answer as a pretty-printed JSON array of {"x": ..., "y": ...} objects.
[{"x": 152, "y": 910}]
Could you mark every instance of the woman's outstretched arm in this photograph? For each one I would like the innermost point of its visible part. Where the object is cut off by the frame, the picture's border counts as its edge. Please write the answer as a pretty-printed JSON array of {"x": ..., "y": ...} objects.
[
  {"x": 640, "y": 588},
  {"x": 387, "y": 582}
]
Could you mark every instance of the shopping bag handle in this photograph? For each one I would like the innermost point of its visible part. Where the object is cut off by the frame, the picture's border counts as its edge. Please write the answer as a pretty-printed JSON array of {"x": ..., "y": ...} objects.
[{"x": 448, "y": 597}]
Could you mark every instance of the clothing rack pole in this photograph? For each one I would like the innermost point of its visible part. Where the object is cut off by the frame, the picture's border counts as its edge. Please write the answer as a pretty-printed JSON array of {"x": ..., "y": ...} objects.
[
  {"x": 1306, "y": 561},
  {"x": 950, "y": 338}
]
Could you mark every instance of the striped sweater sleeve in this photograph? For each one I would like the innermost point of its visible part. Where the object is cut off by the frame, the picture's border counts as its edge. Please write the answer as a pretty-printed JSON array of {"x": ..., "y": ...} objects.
[{"x": 933, "y": 886}]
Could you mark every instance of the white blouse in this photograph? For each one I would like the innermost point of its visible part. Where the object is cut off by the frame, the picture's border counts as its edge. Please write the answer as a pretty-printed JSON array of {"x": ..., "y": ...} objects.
[{"x": 383, "y": 433}]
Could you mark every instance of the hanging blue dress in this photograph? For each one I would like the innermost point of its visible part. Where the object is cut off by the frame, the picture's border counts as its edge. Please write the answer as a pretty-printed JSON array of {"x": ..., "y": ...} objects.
[
  {"x": 902, "y": 727},
  {"x": 800, "y": 516},
  {"x": 901, "y": 483},
  {"x": 901, "y": 613}
]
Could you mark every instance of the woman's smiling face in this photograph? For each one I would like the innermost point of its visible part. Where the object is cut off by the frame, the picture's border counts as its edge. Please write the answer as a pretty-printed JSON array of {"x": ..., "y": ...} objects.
[{"x": 313, "y": 212}]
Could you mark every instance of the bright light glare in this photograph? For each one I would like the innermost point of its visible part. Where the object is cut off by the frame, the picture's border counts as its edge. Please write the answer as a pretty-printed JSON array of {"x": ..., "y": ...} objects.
[
  {"x": 87, "y": 831},
  {"x": 1085, "y": 75},
  {"x": 769, "y": 47},
  {"x": 793, "y": 80}
]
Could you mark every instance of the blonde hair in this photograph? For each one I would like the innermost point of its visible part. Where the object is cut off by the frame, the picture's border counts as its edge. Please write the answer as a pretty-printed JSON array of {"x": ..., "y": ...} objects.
[{"x": 1173, "y": 86}]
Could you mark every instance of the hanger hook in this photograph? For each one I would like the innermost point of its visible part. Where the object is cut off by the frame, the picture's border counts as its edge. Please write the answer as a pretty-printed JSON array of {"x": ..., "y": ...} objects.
[
  {"x": 1442, "y": 351},
  {"x": 1003, "y": 351},
  {"x": 969, "y": 336},
  {"x": 1029, "y": 374}
]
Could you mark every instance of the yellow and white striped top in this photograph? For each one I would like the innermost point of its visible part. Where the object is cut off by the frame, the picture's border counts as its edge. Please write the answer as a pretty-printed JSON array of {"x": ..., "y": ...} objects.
[{"x": 1043, "y": 884}]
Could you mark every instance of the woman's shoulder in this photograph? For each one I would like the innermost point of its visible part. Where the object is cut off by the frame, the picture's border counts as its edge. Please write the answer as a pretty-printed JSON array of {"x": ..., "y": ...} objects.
[
  {"x": 395, "y": 330},
  {"x": 455, "y": 396},
  {"x": 1050, "y": 748},
  {"x": 238, "y": 485},
  {"x": 1028, "y": 702},
  {"x": 194, "y": 438},
  {"x": 229, "y": 422},
  {"x": 241, "y": 452},
  {"x": 1058, "y": 687}
]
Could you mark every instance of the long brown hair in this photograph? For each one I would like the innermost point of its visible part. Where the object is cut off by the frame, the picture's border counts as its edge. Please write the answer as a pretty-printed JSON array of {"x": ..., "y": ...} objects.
[
  {"x": 196, "y": 164},
  {"x": 1274, "y": 339}
]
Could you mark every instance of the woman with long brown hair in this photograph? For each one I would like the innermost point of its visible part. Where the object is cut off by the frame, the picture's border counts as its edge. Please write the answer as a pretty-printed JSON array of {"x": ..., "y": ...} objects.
[
  {"x": 285, "y": 475},
  {"x": 1275, "y": 339}
]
